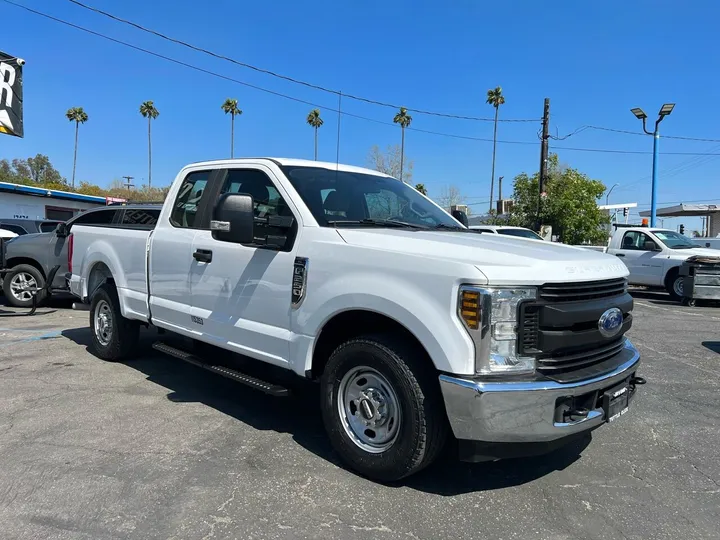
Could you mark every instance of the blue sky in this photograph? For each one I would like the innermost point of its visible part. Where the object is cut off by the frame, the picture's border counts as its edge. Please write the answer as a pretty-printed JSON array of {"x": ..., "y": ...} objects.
[{"x": 593, "y": 60}]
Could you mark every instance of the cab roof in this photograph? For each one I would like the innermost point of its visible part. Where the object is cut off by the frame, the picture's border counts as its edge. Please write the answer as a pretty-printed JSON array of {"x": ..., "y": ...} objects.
[{"x": 290, "y": 162}]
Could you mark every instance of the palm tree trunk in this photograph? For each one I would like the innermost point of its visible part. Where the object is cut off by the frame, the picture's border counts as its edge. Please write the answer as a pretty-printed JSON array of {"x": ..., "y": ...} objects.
[
  {"x": 77, "y": 127},
  {"x": 149, "y": 154},
  {"x": 316, "y": 128},
  {"x": 402, "y": 153},
  {"x": 492, "y": 179},
  {"x": 232, "y": 135}
]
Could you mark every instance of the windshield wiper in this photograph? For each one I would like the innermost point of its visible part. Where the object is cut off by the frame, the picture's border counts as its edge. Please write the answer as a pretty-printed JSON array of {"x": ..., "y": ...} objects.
[
  {"x": 377, "y": 223},
  {"x": 446, "y": 227},
  {"x": 685, "y": 246}
]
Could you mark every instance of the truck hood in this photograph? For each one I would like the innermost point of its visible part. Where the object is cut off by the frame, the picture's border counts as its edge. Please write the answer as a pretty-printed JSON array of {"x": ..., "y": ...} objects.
[
  {"x": 685, "y": 253},
  {"x": 504, "y": 260}
]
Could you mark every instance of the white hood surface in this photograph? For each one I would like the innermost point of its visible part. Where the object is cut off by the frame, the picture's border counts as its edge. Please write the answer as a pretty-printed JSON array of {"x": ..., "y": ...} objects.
[{"x": 505, "y": 260}]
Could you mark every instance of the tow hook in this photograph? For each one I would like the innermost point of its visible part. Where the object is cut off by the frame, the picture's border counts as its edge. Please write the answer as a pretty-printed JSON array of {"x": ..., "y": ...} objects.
[
  {"x": 575, "y": 414},
  {"x": 637, "y": 381}
]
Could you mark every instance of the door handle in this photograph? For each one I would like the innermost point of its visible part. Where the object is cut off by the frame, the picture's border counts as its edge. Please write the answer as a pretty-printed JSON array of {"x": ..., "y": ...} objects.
[
  {"x": 203, "y": 255},
  {"x": 620, "y": 254}
]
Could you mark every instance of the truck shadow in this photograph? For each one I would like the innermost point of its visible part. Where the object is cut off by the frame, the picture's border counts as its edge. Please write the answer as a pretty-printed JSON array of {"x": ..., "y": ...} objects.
[
  {"x": 448, "y": 476},
  {"x": 714, "y": 346},
  {"x": 659, "y": 298}
]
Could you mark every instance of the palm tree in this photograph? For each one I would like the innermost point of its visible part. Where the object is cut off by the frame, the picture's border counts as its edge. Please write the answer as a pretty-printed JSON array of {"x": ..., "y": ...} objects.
[
  {"x": 314, "y": 120},
  {"x": 494, "y": 98},
  {"x": 79, "y": 116},
  {"x": 231, "y": 107},
  {"x": 421, "y": 188},
  {"x": 404, "y": 119},
  {"x": 148, "y": 110}
]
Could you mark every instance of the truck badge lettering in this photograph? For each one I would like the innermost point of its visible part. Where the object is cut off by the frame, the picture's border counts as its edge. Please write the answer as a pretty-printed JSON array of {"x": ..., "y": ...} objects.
[
  {"x": 299, "y": 280},
  {"x": 196, "y": 320}
]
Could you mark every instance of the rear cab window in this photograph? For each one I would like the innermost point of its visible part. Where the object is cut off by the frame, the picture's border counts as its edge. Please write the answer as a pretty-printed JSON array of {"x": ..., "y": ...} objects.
[{"x": 140, "y": 218}]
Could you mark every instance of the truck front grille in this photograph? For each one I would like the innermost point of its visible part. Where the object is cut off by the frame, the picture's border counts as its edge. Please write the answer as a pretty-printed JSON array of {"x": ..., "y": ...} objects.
[
  {"x": 575, "y": 292},
  {"x": 560, "y": 329}
]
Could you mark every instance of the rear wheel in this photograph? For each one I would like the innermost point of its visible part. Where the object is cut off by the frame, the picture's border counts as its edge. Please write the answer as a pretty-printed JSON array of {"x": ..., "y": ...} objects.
[
  {"x": 382, "y": 408},
  {"x": 22, "y": 283},
  {"x": 113, "y": 336}
]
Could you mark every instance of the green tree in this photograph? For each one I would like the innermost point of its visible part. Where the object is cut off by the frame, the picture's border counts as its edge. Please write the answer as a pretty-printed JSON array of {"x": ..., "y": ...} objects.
[
  {"x": 37, "y": 171},
  {"x": 570, "y": 206},
  {"x": 421, "y": 188},
  {"x": 148, "y": 110},
  {"x": 495, "y": 98},
  {"x": 314, "y": 120},
  {"x": 231, "y": 107},
  {"x": 404, "y": 119},
  {"x": 79, "y": 116}
]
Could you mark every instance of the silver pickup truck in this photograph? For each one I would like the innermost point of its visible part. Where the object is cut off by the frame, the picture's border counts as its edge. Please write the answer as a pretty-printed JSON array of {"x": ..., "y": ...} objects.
[{"x": 28, "y": 259}]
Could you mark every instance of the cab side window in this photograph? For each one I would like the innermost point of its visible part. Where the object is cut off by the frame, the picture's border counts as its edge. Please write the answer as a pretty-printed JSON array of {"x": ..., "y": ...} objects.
[
  {"x": 191, "y": 194},
  {"x": 97, "y": 217},
  {"x": 267, "y": 201},
  {"x": 638, "y": 241}
]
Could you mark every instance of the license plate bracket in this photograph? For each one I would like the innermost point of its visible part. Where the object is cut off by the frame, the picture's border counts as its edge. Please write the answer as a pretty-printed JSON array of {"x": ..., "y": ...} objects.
[{"x": 616, "y": 401}]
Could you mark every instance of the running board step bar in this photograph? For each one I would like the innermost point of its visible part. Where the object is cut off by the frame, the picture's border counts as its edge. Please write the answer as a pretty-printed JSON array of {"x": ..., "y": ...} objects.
[{"x": 252, "y": 382}]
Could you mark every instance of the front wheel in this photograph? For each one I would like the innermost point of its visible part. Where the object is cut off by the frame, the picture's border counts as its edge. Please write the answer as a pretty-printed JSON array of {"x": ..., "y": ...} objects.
[
  {"x": 674, "y": 284},
  {"x": 382, "y": 408},
  {"x": 113, "y": 336}
]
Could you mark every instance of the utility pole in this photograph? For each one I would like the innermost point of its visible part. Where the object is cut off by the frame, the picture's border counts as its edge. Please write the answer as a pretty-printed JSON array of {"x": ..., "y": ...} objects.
[
  {"x": 128, "y": 183},
  {"x": 543, "y": 156}
]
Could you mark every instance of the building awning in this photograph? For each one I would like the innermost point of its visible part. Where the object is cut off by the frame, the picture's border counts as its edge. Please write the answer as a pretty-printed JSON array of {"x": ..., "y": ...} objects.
[
  {"x": 683, "y": 210},
  {"x": 52, "y": 193}
]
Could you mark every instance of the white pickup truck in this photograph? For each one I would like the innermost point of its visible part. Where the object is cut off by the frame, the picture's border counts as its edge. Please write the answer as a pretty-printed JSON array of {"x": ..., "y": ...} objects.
[
  {"x": 653, "y": 256},
  {"x": 415, "y": 326}
]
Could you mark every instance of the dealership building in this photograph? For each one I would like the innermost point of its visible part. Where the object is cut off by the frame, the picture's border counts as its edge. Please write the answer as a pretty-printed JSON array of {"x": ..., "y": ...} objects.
[{"x": 28, "y": 202}]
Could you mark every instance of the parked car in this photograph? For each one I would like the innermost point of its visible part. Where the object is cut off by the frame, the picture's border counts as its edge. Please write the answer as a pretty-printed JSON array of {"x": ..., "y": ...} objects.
[
  {"x": 507, "y": 230},
  {"x": 414, "y": 326},
  {"x": 28, "y": 226},
  {"x": 5, "y": 234},
  {"x": 29, "y": 258}
]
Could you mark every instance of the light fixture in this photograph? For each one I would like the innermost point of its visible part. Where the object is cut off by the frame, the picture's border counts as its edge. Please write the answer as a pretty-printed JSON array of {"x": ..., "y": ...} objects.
[
  {"x": 667, "y": 109},
  {"x": 639, "y": 113}
]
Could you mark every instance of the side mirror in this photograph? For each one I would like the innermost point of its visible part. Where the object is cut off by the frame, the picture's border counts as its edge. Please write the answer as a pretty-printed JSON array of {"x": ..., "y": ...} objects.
[
  {"x": 233, "y": 219},
  {"x": 460, "y": 216},
  {"x": 61, "y": 231}
]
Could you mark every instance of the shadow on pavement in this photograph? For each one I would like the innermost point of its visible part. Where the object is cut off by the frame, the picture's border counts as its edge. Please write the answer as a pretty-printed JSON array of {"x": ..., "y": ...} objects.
[
  {"x": 299, "y": 415},
  {"x": 714, "y": 346}
]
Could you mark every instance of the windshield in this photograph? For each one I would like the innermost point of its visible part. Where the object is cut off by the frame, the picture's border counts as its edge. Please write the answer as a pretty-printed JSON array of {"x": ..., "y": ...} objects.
[
  {"x": 335, "y": 197},
  {"x": 674, "y": 240},
  {"x": 524, "y": 233}
]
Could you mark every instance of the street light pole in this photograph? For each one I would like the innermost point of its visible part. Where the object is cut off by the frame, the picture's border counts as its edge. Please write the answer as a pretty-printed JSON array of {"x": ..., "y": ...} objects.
[
  {"x": 665, "y": 110},
  {"x": 607, "y": 197}
]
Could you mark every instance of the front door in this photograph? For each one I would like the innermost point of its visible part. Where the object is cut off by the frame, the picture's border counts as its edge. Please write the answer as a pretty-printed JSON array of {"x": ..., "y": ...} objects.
[
  {"x": 642, "y": 260},
  {"x": 243, "y": 294}
]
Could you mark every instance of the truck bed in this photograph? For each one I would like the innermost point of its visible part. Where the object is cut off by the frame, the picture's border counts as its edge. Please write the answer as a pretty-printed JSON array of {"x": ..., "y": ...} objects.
[{"x": 122, "y": 251}]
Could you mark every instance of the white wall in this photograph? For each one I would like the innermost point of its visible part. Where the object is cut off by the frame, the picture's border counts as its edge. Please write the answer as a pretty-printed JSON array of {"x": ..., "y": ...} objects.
[{"x": 17, "y": 206}]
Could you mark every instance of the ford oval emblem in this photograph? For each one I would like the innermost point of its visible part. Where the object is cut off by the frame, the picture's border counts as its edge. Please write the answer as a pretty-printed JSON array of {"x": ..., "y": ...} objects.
[{"x": 610, "y": 322}]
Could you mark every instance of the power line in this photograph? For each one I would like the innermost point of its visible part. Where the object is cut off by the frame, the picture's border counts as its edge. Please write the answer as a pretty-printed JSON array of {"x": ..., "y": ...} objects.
[
  {"x": 253, "y": 86},
  {"x": 628, "y": 132},
  {"x": 280, "y": 76}
]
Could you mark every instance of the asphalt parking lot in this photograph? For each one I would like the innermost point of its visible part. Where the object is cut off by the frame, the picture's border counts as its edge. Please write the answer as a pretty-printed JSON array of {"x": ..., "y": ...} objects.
[{"x": 158, "y": 449}]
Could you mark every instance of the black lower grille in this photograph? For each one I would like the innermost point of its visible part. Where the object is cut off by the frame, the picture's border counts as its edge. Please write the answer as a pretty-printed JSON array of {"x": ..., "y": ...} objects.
[{"x": 579, "y": 365}]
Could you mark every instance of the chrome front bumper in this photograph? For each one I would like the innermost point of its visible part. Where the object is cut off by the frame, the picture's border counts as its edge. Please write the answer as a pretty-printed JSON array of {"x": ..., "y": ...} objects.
[{"x": 525, "y": 411}]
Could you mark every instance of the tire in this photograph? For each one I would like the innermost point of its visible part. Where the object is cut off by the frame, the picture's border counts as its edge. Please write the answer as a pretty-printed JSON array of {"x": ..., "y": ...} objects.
[
  {"x": 403, "y": 393},
  {"x": 23, "y": 275},
  {"x": 114, "y": 337},
  {"x": 674, "y": 285}
]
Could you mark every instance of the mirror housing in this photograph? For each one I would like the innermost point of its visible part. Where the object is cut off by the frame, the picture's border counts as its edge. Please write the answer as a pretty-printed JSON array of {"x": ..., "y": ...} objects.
[
  {"x": 61, "y": 231},
  {"x": 460, "y": 216},
  {"x": 233, "y": 219}
]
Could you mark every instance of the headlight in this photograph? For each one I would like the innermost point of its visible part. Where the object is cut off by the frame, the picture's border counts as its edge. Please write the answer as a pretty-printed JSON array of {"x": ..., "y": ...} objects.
[{"x": 491, "y": 318}]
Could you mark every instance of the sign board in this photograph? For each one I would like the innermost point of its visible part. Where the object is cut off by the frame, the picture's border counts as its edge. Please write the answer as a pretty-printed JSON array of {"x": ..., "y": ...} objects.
[
  {"x": 11, "y": 95},
  {"x": 114, "y": 200}
]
